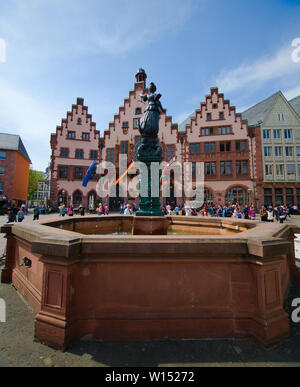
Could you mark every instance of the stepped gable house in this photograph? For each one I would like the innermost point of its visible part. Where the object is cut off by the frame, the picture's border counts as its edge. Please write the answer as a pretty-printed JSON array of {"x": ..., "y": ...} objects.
[
  {"x": 123, "y": 136},
  {"x": 217, "y": 136},
  {"x": 74, "y": 147}
]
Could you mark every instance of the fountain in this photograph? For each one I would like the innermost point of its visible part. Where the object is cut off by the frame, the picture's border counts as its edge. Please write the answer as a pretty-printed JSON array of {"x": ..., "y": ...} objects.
[{"x": 123, "y": 278}]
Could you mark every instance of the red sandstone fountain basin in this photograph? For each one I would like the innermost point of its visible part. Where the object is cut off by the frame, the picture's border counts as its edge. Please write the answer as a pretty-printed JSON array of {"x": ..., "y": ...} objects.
[
  {"x": 122, "y": 287},
  {"x": 123, "y": 225}
]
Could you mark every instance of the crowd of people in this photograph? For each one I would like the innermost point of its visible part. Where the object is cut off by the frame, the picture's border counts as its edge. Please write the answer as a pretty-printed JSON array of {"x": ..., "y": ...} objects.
[{"x": 265, "y": 214}]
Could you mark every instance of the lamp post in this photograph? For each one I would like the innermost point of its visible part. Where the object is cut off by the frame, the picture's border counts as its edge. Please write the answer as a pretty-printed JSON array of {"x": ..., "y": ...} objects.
[
  {"x": 63, "y": 194},
  {"x": 249, "y": 196},
  {"x": 251, "y": 135},
  {"x": 182, "y": 192}
]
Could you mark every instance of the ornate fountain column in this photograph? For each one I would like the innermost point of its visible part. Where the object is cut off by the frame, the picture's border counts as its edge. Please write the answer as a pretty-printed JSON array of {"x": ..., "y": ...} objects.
[{"x": 150, "y": 218}]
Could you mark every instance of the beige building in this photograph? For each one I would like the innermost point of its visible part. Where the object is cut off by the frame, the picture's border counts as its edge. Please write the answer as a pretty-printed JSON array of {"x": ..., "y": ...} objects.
[{"x": 279, "y": 126}]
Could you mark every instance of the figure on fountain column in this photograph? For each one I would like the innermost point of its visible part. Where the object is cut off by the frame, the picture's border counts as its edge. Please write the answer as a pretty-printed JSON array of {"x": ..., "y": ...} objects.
[
  {"x": 150, "y": 152},
  {"x": 149, "y": 125}
]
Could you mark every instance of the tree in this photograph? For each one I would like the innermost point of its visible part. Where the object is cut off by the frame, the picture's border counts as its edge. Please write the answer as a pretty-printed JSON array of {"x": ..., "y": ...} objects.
[{"x": 34, "y": 178}]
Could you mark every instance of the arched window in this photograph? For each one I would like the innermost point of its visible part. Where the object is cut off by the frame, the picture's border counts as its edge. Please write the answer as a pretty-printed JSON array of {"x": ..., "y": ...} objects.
[
  {"x": 77, "y": 198},
  {"x": 237, "y": 195},
  {"x": 92, "y": 200},
  {"x": 208, "y": 196}
]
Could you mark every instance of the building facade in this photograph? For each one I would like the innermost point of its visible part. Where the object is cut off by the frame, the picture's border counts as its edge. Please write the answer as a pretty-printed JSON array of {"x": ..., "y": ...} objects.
[
  {"x": 277, "y": 127},
  {"x": 74, "y": 146},
  {"x": 42, "y": 196},
  {"x": 217, "y": 136},
  {"x": 14, "y": 168}
]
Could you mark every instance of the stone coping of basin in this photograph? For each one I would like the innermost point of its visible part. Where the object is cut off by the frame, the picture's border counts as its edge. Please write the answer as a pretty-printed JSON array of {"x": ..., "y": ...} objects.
[{"x": 259, "y": 239}]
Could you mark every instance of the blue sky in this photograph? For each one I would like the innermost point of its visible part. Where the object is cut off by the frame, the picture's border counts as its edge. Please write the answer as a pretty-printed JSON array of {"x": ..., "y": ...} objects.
[{"x": 58, "y": 50}]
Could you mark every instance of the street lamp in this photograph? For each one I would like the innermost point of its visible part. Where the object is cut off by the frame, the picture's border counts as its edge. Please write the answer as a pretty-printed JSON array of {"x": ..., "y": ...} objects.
[
  {"x": 63, "y": 194},
  {"x": 249, "y": 196},
  {"x": 182, "y": 193}
]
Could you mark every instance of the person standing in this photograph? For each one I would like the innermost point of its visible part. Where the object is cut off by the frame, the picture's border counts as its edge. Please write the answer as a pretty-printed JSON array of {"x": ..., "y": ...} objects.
[
  {"x": 23, "y": 207},
  {"x": 245, "y": 212},
  {"x": 252, "y": 213},
  {"x": 81, "y": 210},
  {"x": 20, "y": 215},
  {"x": 36, "y": 213},
  {"x": 270, "y": 214}
]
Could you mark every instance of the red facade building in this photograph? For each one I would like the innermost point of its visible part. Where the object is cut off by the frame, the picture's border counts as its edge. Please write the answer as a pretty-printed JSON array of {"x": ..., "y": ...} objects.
[{"x": 74, "y": 146}]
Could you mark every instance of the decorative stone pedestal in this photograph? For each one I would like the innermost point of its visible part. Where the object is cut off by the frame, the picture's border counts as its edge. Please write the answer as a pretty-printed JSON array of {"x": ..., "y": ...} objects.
[
  {"x": 150, "y": 205},
  {"x": 155, "y": 225}
]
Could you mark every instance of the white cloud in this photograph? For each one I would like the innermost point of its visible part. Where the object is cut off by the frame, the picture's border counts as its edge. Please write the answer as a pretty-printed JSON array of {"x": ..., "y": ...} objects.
[
  {"x": 45, "y": 33},
  {"x": 256, "y": 74},
  {"x": 2, "y": 51},
  {"x": 114, "y": 26}
]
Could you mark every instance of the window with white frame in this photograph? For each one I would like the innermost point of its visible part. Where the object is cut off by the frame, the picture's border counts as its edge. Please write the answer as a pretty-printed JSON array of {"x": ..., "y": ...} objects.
[
  {"x": 267, "y": 151},
  {"x": 269, "y": 169},
  {"x": 287, "y": 133},
  {"x": 276, "y": 133},
  {"x": 289, "y": 151},
  {"x": 279, "y": 169},
  {"x": 278, "y": 151},
  {"x": 266, "y": 134}
]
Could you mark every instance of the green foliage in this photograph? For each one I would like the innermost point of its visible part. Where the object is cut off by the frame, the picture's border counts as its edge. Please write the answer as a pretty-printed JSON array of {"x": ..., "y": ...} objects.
[{"x": 34, "y": 178}]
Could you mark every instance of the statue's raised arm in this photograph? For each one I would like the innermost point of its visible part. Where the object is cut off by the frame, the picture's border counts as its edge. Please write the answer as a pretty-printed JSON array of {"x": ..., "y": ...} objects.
[{"x": 144, "y": 97}]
